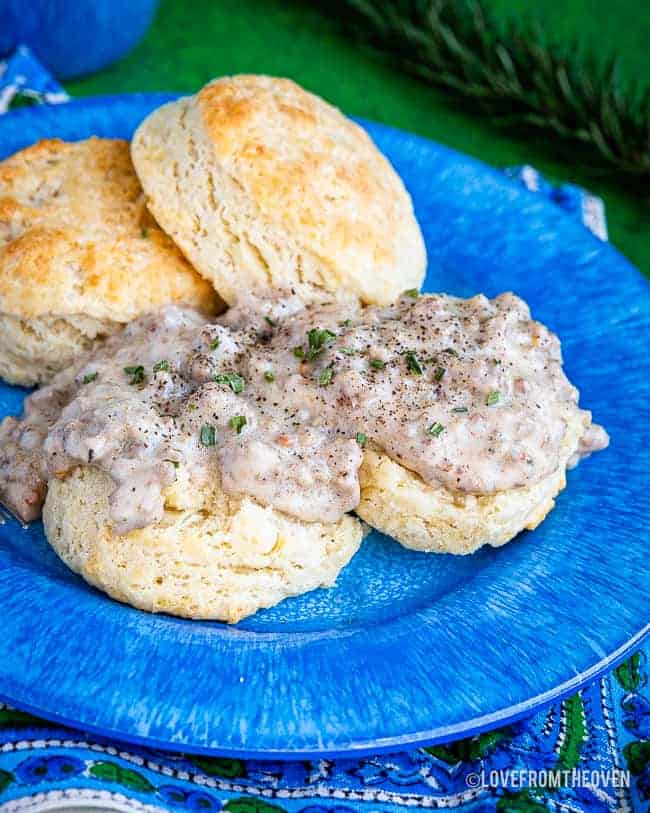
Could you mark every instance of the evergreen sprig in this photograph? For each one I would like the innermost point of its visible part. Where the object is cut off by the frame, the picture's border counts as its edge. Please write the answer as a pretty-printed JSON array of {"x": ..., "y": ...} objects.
[{"x": 511, "y": 73}]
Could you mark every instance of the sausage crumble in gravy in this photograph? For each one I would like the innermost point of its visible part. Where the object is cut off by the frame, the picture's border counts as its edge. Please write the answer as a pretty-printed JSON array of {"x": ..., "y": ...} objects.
[{"x": 278, "y": 400}]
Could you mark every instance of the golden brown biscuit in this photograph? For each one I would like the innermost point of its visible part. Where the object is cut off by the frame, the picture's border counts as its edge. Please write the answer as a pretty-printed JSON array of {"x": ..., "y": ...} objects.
[
  {"x": 263, "y": 184},
  {"x": 210, "y": 557},
  {"x": 399, "y": 503},
  {"x": 79, "y": 255}
]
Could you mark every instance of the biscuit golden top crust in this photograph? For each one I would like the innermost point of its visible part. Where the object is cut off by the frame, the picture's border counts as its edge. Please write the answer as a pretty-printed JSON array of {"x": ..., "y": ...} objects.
[
  {"x": 309, "y": 168},
  {"x": 287, "y": 145},
  {"x": 264, "y": 185},
  {"x": 76, "y": 238}
]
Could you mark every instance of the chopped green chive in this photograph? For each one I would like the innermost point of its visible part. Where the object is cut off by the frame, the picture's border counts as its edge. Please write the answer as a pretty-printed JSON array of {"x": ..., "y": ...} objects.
[
  {"x": 237, "y": 422},
  {"x": 361, "y": 439},
  {"x": 174, "y": 463},
  {"x": 412, "y": 292},
  {"x": 349, "y": 351},
  {"x": 326, "y": 376},
  {"x": 90, "y": 377},
  {"x": 136, "y": 373},
  {"x": 460, "y": 409},
  {"x": 233, "y": 380},
  {"x": 269, "y": 321},
  {"x": 144, "y": 232},
  {"x": 451, "y": 351},
  {"x": 163, "y": 366},
  {"x": 208, "y": 435},
  {"x": 493, "y": 398},
  {"x": 439, "y": 373},
  {"x": 412, "y": 363},
  {"x": 191, "y": 406},
  {"x": 318, "y": 339},
  {"x": 268, "y": 376},
  {"x": 435, "y": 429},
  {"x": 377, "y": 364},
  {"x": 214, "y": 343},
  {"x": 346, "y": 323}
]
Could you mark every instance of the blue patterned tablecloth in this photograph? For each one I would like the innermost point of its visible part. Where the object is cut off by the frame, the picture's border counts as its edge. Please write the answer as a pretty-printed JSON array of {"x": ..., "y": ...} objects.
[
  {"x": 594, "y": 748},
  {"x": 590, "y": 752}
]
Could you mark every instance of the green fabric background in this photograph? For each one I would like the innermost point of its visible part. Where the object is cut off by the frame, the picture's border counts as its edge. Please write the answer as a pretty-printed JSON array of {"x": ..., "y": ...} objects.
[{"x": 192, "y": 41}]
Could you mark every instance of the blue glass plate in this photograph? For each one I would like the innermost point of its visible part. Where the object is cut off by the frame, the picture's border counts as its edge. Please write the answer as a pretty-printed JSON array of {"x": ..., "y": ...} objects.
[{"x": 408, "y": 648}]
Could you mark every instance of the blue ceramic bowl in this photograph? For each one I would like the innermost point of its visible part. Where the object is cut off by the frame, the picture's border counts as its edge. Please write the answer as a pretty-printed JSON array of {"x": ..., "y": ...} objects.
[{"x": 74, "y": 37}]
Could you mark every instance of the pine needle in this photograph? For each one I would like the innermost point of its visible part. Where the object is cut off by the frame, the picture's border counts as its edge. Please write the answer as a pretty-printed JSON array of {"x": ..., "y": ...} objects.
[{"x": 511, "y": 74}]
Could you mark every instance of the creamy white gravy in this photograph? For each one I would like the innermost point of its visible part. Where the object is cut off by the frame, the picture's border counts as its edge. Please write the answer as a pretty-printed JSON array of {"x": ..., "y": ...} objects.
[{"x": 279, "y": 400}]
